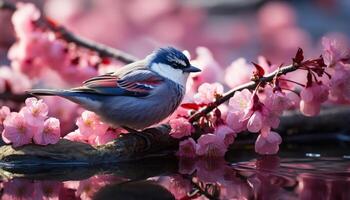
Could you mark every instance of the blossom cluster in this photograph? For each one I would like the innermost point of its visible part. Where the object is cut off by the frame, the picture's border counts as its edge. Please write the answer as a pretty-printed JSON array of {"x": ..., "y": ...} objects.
[
  {"x": 259, "y": 110},
  {"x": 30, "y": 124},
  {"x": 40, "y": 53},
  {"x": 92, "y": 130},
  {"x": 40, "y": 56}
]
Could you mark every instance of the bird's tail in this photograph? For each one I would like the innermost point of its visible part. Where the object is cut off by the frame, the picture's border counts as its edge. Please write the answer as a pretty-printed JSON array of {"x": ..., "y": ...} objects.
[{"x": 48, "y": 92}]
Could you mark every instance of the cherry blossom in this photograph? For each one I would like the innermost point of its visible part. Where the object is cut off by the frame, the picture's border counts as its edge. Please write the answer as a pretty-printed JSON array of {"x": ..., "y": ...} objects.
[
  {"x": 17, "y": 130},
  {"x": 89, "y": 123},
  {"x": 4, "y": 112},
  {"x": 335, "y": 50},
  {"x": 210, "y": 146},
  {"x": 207, "y": 93},
  {"x": 107, "y": 137},
  {"x": 268, "y": 143},
  {"x": 50, "y": 134},
  {"x": 210, "y": 69},
  {"x": 226, "y": 133},
  {"x": 312, "y": 97},
  {"x": 339, "y": 85},
  {"x": 35, "y": 111},
  {"x": 238, "y": 72},
  {"x": 187, "y": 148},
  {"x": 180, "y": 127}
]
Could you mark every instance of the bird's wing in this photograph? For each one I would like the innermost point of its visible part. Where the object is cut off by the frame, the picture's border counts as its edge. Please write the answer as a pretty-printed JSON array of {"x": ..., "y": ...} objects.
[{"x": 131, "y": 80}]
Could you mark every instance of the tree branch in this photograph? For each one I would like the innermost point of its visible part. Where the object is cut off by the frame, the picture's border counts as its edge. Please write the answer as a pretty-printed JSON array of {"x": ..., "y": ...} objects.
[
  {"x": 102, "y": 50},
  {"x": 250, "y": 85}
]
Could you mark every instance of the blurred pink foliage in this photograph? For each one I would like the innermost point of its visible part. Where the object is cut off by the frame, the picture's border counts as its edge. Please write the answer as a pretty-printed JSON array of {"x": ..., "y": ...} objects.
[{"x": 40, "y": 57}]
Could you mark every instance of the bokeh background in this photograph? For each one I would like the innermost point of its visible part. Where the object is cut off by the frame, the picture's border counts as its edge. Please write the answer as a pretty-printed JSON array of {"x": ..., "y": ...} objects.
[{"x": 229, "y": 28}]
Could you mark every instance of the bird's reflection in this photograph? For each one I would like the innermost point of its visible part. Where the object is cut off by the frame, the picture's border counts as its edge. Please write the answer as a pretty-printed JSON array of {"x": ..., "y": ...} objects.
[{"x": 267, "y": 177}]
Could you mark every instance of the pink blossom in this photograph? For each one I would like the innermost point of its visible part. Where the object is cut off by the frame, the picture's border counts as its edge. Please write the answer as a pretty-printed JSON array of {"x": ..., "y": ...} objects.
[
  {"x": 233, "y": 119},
  {"x": 23, "y": 18},
  {"x": 17, "y": 130},
  {"x": 226, "y": 133},
  {"x": 35, "y": 111},
  {"x": 207, "y": 93},
  {"x": 89, "y": 123},
  {"x": 340, "y": 83},
  {"x": 47, "y": 190},
  {"x": 312, "y": 97},
  {"x": 18, "y": 189},
  {"x": 4, "y": 112},
  {"x": 237, "y": 106},
  {"x": 238, "y": 72},
  {"x": 64, "y": 110},
  {"x": 240, "y": 100},
  {"x": 335, "y": 49},
  {"x": 255, "y": 122},
  {"x": 180, "y": 127},
  {"x": 211, "y": 70},
  {"x": 107, "y": 137},
  {"x": 187, "y": 148},
  {"x": 50, "y": 134},
  {"x": 17, "y": 81},
  {"x": 276, "y": 101},
  {"x": 75, "y": 136},
  {"x": 211, "y": 146},
  {"x": 268, "y": 143}
]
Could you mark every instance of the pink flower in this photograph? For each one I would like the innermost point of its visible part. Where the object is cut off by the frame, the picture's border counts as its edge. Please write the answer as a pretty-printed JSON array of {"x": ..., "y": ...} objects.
[
  {"x": 75, "y": 136},
  {"x": 89, "y": 123},
  {"x": 180, "y": 127},
  {"x": 268, "y": 143},
  {"x": 237, "y": 106},
  {"x": 47, "y": 190},
  {"x": 211, "y": 146},
  {"x": 276, "y": 101},
  {"x": 226, "y": 133},
  {"x": 238, "y": 72},
  {"x": 255, "y": 122},
  {"x": 335, "y": 49},
  {"x": 4, "y": 112},
  {"x": 340, "y": 83},
  {"x": 50, "y": 134},
  {"x": 35, "y": 111},
  {"x": 17, "y": 81},
  {"x": 240, "y": 100},
  {"x": 23, "y": 18},
  {"x": 18, "y": 189},
  {"x": 17, "y": 131},
  {"x": 187, "y": 148},
  {"x": 107, "y": 137},
  {"x": 207, "y": 93},
  {"x": 211, "y": 70},
  {"x": 312, "y": 97}
]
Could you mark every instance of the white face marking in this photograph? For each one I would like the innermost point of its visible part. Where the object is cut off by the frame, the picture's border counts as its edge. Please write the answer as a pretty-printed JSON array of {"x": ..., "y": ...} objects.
[{"x": 176, "y": 75}]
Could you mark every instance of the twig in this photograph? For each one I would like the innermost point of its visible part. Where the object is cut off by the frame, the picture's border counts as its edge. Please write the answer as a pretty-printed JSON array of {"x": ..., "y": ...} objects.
[
  {"x": 102, "y": 50},
  {"x": 250, "y": 85}
]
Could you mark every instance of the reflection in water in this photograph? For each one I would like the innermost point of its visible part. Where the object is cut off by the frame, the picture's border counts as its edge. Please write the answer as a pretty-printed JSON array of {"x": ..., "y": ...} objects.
[{"x": 268, "y": 177}]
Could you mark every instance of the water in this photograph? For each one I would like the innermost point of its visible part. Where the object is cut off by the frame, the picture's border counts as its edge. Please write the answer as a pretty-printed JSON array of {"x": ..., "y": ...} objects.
[{"x": 312, "y": 176}]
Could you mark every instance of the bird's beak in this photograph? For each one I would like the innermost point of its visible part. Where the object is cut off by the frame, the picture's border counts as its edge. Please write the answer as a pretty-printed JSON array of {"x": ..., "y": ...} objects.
[{"x": 192, "y": 69}]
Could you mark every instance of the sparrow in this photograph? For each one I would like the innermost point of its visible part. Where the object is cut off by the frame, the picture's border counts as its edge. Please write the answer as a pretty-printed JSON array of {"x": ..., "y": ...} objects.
[{"x": 137, "y": 95}]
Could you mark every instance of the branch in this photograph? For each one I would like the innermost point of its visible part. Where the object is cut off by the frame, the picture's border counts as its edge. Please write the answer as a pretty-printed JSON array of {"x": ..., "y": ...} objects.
[
  {"x": 250, "y": 85},
  {"x": 102, "y": 50}
]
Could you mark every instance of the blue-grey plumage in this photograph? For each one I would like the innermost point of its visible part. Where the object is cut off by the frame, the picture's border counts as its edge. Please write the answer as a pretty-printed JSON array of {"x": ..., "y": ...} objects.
[{"x": 136, "y": 96}]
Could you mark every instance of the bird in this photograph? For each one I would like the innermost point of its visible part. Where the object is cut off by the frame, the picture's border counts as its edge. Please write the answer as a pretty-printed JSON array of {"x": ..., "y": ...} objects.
[{"x": 137, "y": 95}]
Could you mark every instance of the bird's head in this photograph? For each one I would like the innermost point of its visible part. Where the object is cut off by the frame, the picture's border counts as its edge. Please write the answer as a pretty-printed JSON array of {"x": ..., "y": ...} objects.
[{"x": 172, "y": 64}]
